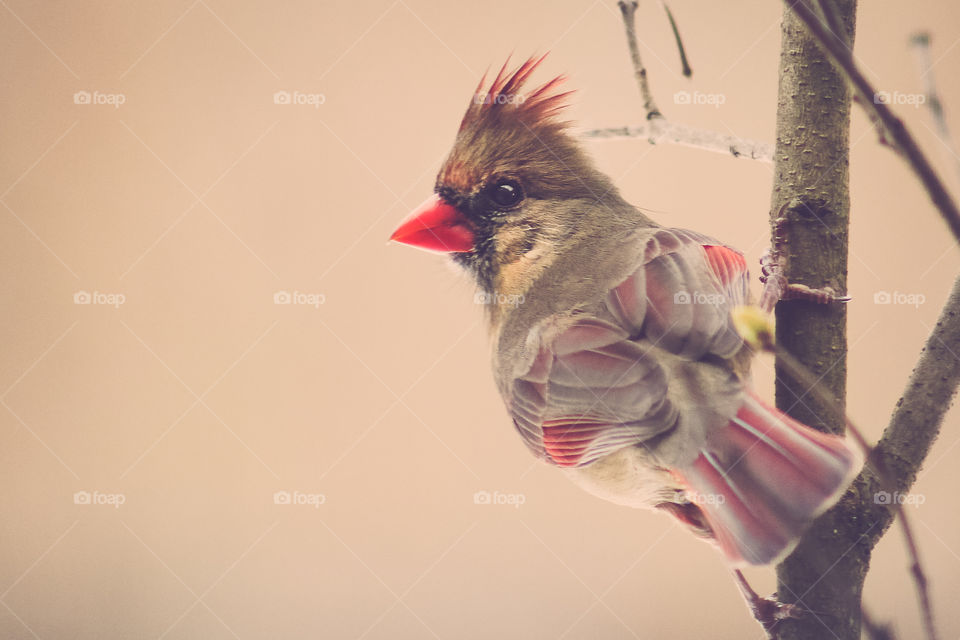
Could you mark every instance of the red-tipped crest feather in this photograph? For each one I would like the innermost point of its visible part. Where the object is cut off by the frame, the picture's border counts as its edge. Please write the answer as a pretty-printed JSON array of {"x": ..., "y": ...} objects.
[
  {"x": 510, "y": 129},
  {"x": 504, "y": 95}
]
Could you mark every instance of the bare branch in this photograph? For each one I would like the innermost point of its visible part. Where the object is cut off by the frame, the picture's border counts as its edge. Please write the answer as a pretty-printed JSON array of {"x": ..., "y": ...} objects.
[
  {"x": 658, "y": 129},
  {"x": 921, "y": 46},
  {"x": 685, "y": 65},
  {"x": 629, "y": 10},
  {"x": 668, "y": 132},
  {"x": 919, "y": 413},
  {"x": 842, "y": 58}
]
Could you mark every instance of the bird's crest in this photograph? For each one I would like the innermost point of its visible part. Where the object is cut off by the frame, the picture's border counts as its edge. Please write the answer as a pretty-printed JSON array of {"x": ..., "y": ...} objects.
[
  {"x": 504, "y": 98},
  {"x": 509, "y": 132}
]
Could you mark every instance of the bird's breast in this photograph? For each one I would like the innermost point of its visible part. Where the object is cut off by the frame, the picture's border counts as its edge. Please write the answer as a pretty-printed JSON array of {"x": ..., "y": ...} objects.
[{"x": 627, "y": 477}]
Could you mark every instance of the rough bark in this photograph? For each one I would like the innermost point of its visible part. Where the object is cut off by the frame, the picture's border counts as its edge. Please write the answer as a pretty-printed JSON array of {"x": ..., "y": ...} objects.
[
  {"x": 919, "y": 413},
  {"x": 825, "y": 573}
]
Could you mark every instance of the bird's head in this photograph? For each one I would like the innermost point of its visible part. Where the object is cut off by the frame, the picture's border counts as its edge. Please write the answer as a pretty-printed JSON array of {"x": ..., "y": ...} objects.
[{"x": 514, "y": 186}]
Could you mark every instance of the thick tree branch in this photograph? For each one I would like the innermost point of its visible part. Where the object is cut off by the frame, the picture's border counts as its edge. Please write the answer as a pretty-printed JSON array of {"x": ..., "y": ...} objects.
[
  {"x": 824, "y": 574},
  {"x": 919, "y": 413}
]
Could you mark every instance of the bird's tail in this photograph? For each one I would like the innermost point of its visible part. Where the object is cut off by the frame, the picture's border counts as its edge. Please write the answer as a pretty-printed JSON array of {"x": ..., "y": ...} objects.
[{"x": 762, "y": 479}]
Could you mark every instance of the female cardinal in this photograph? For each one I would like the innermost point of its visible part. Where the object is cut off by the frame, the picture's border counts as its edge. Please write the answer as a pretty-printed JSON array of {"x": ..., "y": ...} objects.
[{"x": 614, "y": 348}]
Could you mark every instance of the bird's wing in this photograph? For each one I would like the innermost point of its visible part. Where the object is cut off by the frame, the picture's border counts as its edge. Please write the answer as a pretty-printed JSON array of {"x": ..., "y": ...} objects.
[
  {"x": 592, "y": 383},
  {"x": 680, "y": 298}
]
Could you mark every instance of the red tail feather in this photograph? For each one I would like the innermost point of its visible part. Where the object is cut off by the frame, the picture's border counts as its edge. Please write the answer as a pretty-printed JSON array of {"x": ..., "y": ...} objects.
[{"x": 762, "y": 479}]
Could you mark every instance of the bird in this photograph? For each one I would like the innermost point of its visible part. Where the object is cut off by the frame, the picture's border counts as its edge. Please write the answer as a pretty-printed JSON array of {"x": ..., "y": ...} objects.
[{"x": 614, "y": 346}]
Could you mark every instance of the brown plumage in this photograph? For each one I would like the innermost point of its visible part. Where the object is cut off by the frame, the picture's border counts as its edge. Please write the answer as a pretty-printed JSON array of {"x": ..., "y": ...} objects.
[
  {"x": 614, "y": 349},
  {"x": 509, "y": 135}
]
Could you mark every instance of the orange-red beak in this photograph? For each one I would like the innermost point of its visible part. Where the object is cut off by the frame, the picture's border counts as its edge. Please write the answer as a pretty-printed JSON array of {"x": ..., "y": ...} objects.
[{"x": 437, "y": 226}]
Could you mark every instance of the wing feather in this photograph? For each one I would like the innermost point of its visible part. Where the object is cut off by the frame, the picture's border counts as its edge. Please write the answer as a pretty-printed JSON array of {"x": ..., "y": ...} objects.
[{"x": 595, "y": 384}]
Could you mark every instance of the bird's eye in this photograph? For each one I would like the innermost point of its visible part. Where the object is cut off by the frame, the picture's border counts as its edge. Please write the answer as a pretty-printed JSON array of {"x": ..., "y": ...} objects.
[{"x": 505, "y": 193}]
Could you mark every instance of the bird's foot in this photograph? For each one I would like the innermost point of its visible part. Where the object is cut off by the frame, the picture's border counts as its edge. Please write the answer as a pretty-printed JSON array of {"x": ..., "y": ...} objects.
[
  {"x": 824, "y": 295},
  {"x": 776, "y": 287},
  {"x": 769, "y": 612}
]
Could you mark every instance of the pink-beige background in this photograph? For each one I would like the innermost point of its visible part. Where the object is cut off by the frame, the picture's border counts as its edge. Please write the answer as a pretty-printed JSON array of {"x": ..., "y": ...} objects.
[{"x": 184, "y": 392}]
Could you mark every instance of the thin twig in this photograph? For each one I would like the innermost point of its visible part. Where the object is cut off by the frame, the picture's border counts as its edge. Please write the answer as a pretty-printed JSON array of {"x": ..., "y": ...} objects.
[
  {"x": 668, "y": 132},
  {"x": 842, "y": 57},
  {"x": 658, "y": 129},
  {"x": 629, "y": 10},
  {"x": 921, "y": 46},
  {"x": 685, "y": 65}
]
